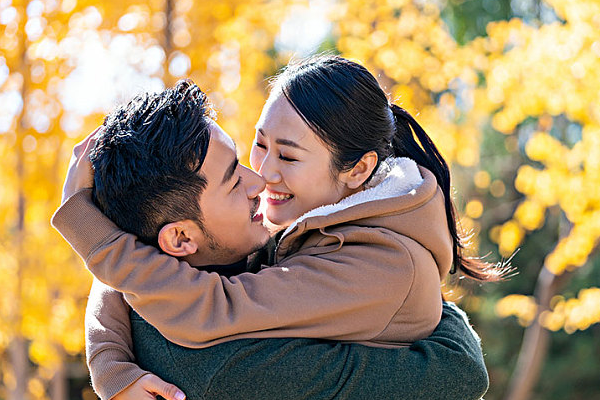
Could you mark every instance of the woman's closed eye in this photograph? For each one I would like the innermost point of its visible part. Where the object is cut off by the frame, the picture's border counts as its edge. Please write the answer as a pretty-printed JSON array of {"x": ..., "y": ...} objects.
[
  {"x": 281, "y": 156},
  {"x": 288, "y": 159}
]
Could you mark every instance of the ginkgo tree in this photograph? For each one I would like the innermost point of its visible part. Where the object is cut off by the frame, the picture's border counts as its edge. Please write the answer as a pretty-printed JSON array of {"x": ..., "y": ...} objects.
[
  {"x": 550, "y": 74},
  {"x": 519, "y": 72},
  {"x": 44, "y": 45}
]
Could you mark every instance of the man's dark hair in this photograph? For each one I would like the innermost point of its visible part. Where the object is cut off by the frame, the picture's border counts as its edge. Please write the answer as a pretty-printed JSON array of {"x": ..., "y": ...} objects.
[{"x": 147, "y": 160}]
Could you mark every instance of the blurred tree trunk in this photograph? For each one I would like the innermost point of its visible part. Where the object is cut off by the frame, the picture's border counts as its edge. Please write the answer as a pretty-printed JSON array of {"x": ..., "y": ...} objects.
[
  {"x": 536, "y": 339},
  {"x": 19, "y": 350},
  {"x": 59, "y": 388},
  {"x": 19, "y": 362},
  {"x": 168, "y": 79}
]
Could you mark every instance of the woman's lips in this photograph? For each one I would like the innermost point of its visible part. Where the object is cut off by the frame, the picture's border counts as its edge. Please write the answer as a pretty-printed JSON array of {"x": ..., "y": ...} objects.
[
  {"x": 278, "y": 198},
  {"x": 257, "y": 218}
]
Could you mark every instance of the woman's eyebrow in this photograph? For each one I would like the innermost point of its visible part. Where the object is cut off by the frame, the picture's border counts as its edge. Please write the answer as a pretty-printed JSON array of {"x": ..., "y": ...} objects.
[
  {"x": 291, "y": 143},
  {"x": 284, "y": 142}
]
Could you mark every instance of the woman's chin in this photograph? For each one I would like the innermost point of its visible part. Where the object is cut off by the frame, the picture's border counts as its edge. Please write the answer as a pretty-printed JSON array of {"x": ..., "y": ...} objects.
[
  {"x": 271, "y": 226},
  {"x": 276, "y": 222}
]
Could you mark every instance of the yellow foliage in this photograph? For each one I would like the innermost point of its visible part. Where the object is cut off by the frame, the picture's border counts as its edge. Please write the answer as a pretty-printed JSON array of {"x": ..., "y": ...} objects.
[
  {"x": 530, "y": 214},
  {"x": 454, "y": 293},
  {"x": 497, "y": 188},
  {"x": 482, "y": 179},
  {"x": 36, "y": 388},
  {"x": 521, "y": 82},
  {"x": 474, "y": 209},
  {"x": 415, "y": 57},
  {"x": 508, "y": 237},
  {"x": 574, "y": 250},
  {"x": 522, "y": 307},
  {"x": 543, "y": 147},
  {"x": 574, "y": 314}
]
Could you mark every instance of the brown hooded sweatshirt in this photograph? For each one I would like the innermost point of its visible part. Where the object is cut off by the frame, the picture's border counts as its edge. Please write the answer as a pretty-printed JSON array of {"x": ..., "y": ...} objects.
[{"x": 366, "y": 269}]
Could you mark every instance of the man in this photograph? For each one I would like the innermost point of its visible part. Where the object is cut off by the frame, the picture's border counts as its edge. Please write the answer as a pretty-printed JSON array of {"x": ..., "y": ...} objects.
[{"x": 165, "y": 171}]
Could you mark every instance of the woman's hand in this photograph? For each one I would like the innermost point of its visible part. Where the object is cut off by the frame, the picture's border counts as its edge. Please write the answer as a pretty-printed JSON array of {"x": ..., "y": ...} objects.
[
  {"x": 148, "y": 387},
  {"x": 80, "y": 174}
]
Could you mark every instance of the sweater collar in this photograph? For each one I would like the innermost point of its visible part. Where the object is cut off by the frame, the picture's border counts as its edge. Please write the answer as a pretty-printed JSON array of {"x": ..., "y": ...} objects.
[{"x": 396, "y": 176}]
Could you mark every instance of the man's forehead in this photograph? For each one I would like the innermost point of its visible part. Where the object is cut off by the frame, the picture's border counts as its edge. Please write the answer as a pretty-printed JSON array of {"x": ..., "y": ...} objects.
[
  {"x": 220, "y": 157},
  {"x": 218, "y": 134}
]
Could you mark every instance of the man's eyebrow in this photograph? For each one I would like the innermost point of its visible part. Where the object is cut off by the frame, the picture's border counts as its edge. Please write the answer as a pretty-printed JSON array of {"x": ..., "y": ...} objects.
[
  {"x": 285, "y": 142},
  {"x": 229, "y": 173}
]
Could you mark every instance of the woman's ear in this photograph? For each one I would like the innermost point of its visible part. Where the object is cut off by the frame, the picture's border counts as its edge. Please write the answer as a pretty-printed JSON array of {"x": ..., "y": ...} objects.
[
  {"x": 174, "y": 239},
  {"x": 355, "y": 177}
]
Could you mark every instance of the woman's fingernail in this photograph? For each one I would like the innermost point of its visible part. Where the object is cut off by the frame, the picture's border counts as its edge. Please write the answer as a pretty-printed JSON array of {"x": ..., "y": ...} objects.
[{"x": 179, "y": 395}]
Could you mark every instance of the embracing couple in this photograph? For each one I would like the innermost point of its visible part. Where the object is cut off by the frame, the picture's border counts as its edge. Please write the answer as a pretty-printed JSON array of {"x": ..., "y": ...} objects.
[{"x": 340, "y": 300}]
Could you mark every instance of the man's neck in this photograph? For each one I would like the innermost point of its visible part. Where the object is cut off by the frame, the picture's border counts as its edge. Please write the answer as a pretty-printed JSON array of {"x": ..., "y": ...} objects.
[{"x": 228, "y": 270}]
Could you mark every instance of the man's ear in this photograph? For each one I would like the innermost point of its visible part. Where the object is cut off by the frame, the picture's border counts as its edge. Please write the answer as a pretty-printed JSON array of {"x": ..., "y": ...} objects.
[
  {"x": 355, "y": 177},
  {"x": 175, "y": 239}
]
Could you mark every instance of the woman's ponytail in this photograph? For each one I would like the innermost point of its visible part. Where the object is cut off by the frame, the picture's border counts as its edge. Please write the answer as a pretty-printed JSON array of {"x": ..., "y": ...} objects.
[{"x": 425, "y": 153}]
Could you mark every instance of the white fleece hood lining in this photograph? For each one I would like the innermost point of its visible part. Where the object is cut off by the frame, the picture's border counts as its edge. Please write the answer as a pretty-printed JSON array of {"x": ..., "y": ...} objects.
[{"x": 394, "y": 177}]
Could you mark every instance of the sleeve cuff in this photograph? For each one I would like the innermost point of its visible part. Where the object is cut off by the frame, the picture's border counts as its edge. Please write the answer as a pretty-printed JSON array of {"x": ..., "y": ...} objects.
[
  {"x": 110, "y": 377},
  {"x": 82, "y": 224}
]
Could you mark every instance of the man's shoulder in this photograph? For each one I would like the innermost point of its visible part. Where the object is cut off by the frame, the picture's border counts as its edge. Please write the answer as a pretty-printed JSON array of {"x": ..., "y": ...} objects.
[{"x": 192, "y": 370}]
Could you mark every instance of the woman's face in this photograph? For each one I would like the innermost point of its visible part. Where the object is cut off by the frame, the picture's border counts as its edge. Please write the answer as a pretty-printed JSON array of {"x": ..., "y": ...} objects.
[{"x": 294, "y": 162}]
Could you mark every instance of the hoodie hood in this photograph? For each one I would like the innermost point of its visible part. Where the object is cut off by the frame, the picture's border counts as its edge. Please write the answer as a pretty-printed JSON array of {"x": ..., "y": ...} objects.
[{"x": 402, "y": 197}]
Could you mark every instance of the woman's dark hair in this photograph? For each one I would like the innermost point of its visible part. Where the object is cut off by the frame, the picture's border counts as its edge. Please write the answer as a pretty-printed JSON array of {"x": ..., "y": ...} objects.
[{"x": 342, "y": 102}]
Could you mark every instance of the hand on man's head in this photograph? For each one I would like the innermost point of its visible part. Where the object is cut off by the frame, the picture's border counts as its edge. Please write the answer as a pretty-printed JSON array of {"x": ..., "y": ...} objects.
[{"x": 80, "y": 174}]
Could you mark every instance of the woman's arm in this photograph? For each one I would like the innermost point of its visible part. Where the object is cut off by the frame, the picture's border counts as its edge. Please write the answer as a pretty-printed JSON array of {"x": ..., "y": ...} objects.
[
  {"x": 339, "y": 295},
  {"x": 108, "y": 342},
  {"x": 109, "y": 351}
]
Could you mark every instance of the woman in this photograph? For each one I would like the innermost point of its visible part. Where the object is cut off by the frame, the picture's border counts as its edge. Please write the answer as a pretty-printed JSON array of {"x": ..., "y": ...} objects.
[{"x": 370, "y": 225}]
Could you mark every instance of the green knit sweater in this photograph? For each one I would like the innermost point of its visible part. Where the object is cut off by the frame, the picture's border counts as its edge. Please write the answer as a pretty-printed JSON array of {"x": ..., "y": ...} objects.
[{"x": 447, "y": 365}]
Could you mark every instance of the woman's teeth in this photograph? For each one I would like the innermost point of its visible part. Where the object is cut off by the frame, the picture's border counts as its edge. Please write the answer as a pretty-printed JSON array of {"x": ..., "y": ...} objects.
[{"x": 280, "y": 197}]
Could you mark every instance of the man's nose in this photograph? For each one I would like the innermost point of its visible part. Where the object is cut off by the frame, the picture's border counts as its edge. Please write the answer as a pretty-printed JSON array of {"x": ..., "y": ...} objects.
[{"x": 255, "y": 183}]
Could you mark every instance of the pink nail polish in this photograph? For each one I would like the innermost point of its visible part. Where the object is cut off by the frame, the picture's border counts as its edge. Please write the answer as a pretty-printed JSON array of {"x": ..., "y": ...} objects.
[{"x": 179, "y": 395}]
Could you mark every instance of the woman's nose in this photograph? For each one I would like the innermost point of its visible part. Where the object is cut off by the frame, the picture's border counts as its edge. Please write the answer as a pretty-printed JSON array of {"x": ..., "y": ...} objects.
[{"x": 269, "y": 171}]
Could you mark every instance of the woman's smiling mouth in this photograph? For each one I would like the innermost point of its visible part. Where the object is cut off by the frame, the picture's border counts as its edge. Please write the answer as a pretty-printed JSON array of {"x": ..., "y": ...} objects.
[{"x": 277, "y": 198}]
